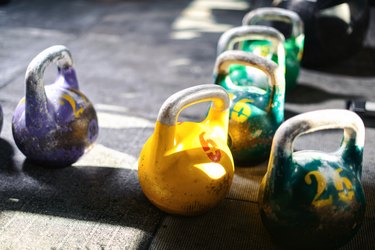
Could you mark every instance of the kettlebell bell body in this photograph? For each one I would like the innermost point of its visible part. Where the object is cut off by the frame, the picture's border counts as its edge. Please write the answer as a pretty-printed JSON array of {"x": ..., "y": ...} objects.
[
  {"x": 55, "y": 124},
  {"x": 186, "y": 168},
  {"x": 291, "y": 26},
  {"x": 334, "y": 30},
  {"x": 312, "y": 199},
  {"x": 257, "y": 106}
]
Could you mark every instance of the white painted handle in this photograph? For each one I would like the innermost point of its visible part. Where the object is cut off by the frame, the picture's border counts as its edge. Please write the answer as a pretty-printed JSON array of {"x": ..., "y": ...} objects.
[
  {"x": 276, "y": 14},
  {"x": 318, "y": 120},
  {"x": 172, "y": 107}
]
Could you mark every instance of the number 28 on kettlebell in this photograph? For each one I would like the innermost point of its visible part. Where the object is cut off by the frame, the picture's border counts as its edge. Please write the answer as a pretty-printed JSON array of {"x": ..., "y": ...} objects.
[
  {"x": 186, "y": 168},
  {"x": 312, "y": 199}
]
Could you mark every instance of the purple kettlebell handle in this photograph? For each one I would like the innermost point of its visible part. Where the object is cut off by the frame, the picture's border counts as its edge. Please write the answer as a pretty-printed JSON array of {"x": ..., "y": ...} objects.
[{"x": 36, "y": 99}]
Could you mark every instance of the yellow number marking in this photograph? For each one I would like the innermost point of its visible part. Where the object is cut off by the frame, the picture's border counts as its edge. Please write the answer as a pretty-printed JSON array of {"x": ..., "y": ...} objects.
[
  {"x": 263, "y": 51},
  {"x": 339, "y": 183},
  {"x": 241, "y": 110},
  {"x": 22, "y": 101},
  {"x": 77, "y": 92},
  {"x": 321, "y": 186},
  {"x": 72, "y": 103}
]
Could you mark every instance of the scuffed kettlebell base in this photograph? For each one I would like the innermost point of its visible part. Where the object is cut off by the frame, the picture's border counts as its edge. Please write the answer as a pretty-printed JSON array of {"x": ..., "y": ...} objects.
[
  {"x": 338, "y": 229},
  {"x": 320, "y": 205},
  {"x": 250, "y": 142},
  {"x": 62, "y": 145}
]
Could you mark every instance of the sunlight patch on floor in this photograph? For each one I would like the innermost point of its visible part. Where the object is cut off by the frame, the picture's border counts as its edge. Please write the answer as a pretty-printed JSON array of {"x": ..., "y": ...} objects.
[
  {"x": 120, "y": 121},
  {"x": 34, "y": 230},
  {"x": 102, "y": 156},
  {"x": 198, "y": 18}
]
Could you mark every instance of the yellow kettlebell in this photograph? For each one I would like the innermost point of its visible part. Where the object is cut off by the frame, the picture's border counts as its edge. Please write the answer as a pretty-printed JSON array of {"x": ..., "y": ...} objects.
[{"x": 186, "y": 168}]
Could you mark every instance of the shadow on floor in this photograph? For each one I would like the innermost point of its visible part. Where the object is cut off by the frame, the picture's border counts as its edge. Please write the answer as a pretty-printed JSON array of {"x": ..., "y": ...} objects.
[
  {"x": 361, "y": 64},
  {"x": 305, "y": 94},
  {"x": 99, "y": 194}
]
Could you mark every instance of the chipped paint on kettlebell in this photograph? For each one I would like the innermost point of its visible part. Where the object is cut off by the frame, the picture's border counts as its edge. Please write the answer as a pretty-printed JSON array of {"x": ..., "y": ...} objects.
[
  {"x": 55, "y": 124},
  {"x": 314, "y": 197},
  {"x": 186, "y": 168},
  {"x": 293, "y": 44},
  {"x": 257, "y": 103}
]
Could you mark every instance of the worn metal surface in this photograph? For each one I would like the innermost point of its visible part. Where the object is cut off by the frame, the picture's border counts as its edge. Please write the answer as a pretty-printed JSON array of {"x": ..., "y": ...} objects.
[
  {"x": 313, "y": 196},
  {"x": 130, "y": 56},
  {"x": 294, "y": 37},
  {"x": 172, "y": 107},
  {"x": 187, "y": 168},
  {"x": 257, "y": 110},
  {"x": 55, "y": 124},
  {"x": 276, "y": 14}
]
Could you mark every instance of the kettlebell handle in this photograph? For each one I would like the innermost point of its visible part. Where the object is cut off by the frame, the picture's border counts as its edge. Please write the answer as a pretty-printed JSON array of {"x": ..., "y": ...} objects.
[
  {"x": 350, "y": 122},
  {"x": 276, "y": 14},
  {"x": 172, "y": 107},
  {"x": 230, "y": 57},
  {"x": 58, "y": 54},
  {"x": 36, "y": 99},
  {"x": 232, "y": 36}
]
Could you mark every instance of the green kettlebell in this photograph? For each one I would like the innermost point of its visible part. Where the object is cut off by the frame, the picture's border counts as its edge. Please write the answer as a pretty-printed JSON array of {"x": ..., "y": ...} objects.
[
  {"x": 313, "y": 199},
  {"x": 293, "y": 30},
  {"x": 268, "y": 43},
  {"x": 257, "y": 105}
]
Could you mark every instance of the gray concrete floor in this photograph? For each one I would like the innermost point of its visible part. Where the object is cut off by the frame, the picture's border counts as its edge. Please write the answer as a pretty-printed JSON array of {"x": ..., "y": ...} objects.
[{"x": 130, "y": 56}]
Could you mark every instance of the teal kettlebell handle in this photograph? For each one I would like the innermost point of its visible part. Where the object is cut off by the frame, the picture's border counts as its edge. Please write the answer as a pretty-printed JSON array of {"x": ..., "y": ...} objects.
[
  {"x": 228, "y": 58},
  {"x": 172, "y": 107},
  {"x": 275, "y": 14},
  {"x": 231, "y": 37},
  {"x": 351, "y": 123}
]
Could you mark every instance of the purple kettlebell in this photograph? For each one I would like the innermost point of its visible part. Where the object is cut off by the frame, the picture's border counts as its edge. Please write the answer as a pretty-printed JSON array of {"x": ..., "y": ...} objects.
[{"x": 54, "y": 124}]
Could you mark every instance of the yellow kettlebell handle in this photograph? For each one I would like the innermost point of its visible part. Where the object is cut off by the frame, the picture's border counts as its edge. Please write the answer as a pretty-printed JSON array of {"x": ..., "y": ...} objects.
[
  {"x": 231, "y": 37},
  {"x": 270, "y": 68},
  {"x": 172, "y": 107}
]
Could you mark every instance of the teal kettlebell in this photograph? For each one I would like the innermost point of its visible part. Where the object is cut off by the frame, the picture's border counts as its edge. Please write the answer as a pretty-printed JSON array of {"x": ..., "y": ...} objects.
[
  {"x": 257, "y": 105},
  {"x": 312, "y": 199},
  {"x": 272, "y": 48},
  {"x": 292, "y": 26},
  {"x": 260, "y": 40}
]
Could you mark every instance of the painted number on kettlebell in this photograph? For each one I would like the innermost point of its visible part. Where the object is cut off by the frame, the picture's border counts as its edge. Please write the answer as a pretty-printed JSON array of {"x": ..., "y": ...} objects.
[
  {"x": 210, "y": 147},
  {"x": 65, "y": 98},
  {"x": 321, "y": 186},
  {"x": 264, "y": 51},
  {"x": 241, "y": 110},
  {"x": 339, "y": 182}
]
